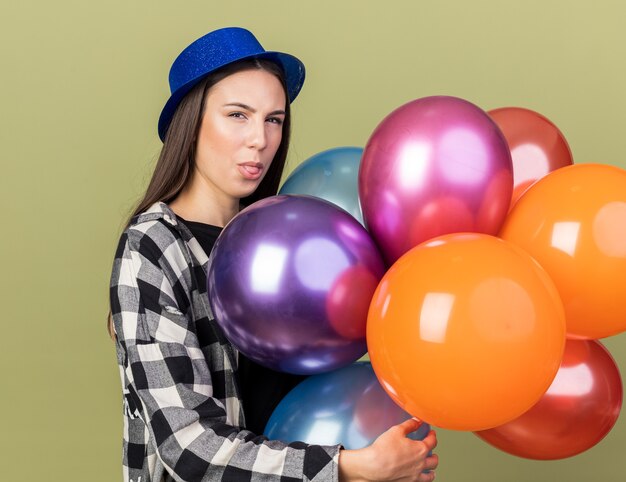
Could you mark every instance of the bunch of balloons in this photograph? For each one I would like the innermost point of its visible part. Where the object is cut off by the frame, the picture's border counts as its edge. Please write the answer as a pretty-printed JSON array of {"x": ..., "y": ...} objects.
[
  {"x": 475, "y": 332},
  {"x": 465, "y": 252}
]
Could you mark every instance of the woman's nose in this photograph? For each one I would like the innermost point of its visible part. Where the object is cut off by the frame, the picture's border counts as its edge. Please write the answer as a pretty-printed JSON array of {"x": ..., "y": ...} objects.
[{"x": 257, "y": 137}]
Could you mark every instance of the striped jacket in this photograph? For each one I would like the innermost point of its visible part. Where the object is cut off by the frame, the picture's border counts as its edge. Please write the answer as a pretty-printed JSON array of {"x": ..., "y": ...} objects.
[{"x": 183, "y": 418}]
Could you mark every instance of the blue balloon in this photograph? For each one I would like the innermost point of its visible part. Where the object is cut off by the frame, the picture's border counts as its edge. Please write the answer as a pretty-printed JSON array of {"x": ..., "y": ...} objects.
[
  {"x": 331, "y": 175},
  {"x": 346, "y": 406}
]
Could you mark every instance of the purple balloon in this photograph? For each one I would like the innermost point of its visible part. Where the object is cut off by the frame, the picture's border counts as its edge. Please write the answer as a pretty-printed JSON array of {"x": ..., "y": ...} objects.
[
  {"x": 434, "y": 166},
  {"x": 290, "y": 282}
]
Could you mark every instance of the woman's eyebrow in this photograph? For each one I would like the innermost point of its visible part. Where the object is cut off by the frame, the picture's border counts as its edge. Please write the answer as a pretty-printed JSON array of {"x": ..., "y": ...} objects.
[{"x": 251, "y": 109}]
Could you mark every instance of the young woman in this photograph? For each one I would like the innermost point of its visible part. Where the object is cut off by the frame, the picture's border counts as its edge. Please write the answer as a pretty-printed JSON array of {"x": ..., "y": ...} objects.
[{"x": 193, "y": 407}]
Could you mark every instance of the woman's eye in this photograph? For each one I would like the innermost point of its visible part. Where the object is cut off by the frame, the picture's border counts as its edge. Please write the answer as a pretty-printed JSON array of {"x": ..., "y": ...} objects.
[
  {"x": 275, "y": 120},
  {"x": 237, "y": 115}
]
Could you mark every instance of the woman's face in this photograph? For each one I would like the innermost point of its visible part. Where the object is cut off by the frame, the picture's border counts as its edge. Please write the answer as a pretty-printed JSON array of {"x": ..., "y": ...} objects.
[{"x": 240, "y": 132}]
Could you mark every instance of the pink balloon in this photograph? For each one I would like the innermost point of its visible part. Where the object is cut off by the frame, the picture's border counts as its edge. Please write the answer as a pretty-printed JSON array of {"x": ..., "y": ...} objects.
[{"x": 434, "y": 166}]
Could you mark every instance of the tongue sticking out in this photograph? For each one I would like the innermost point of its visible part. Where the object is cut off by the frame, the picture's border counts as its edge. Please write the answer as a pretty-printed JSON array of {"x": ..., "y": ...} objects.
[{"x": 253, "y": 170}]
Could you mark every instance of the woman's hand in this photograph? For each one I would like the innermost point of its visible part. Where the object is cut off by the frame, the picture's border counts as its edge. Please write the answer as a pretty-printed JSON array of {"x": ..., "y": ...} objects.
[{"x": 392, "y": 456}]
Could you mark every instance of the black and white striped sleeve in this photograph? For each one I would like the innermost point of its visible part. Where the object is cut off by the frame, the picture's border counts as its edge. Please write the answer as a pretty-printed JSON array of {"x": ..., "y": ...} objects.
[{"x": 171, "y": 383}]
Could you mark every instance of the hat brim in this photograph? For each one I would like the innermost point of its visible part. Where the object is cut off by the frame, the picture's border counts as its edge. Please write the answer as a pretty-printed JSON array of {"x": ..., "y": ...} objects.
[{"x": 294, "y": 78}]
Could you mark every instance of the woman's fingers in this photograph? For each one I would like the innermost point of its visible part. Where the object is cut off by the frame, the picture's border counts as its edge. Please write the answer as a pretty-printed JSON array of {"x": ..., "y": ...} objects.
[
  {"x": 426, "y": 477},
  {"x": 430, "y": 440},
  {"x": 431, "y": 463},
  {"x": 410, "y": 425},
  {"x": 397, "y": 457}
]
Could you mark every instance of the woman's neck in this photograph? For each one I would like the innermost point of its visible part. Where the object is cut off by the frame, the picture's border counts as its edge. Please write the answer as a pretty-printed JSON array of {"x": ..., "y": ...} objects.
[{"x": 202, "y": 205}]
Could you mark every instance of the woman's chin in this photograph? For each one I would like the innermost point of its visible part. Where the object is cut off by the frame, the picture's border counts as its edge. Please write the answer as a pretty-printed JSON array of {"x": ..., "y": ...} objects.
[
  {"x": 239, "y": 188},
  {"x": 245, "y": 191}
]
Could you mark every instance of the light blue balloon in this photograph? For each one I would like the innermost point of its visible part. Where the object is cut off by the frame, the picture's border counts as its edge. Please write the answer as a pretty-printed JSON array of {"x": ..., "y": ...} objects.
[
  {"x": 332, "y": 175},
  {"x": 346, "y": 406}
]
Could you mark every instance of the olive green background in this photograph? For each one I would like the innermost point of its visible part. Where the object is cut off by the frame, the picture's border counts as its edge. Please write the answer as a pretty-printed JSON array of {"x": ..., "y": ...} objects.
[{"x": 83, "y": 83}]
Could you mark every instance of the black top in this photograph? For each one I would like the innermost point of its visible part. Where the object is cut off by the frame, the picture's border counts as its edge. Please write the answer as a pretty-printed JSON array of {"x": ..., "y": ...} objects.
[{"x": 261, "y": 388}]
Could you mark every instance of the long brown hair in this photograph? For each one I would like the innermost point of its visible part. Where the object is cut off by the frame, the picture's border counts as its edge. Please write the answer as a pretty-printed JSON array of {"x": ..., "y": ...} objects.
[{"x": 177, "y": 158}]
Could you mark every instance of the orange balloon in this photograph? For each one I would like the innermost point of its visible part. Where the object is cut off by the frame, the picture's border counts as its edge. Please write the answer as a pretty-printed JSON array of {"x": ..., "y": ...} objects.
[
  {"x": 537, "y": 146},
  {"x": 466, "y": 331},
  {"x": 573, "y": 222}
]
